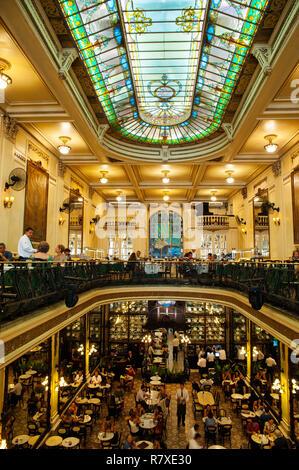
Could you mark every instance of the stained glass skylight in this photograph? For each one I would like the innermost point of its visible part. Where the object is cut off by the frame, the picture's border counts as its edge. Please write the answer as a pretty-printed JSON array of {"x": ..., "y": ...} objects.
[{"x": 164, "y": 71}]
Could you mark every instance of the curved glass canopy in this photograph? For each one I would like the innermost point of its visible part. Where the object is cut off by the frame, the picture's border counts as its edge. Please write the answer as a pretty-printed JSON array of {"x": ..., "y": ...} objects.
[{"x": 164, "y": 71}]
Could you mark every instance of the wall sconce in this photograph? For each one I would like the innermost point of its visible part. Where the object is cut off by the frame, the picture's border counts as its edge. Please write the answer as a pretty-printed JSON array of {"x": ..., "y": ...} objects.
[
  {"x": 61, "y": 221},
  {"x": 8, "y": 202},
  {"x": 276, "y": 220}
]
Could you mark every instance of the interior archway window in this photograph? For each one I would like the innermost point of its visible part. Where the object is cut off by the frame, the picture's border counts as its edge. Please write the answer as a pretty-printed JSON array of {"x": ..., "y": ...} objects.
[{"x": 165, "y": 234}]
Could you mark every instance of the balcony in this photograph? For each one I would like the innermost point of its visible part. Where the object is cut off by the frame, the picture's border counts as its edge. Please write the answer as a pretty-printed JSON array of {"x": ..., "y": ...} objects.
[
  {"x": 213, "y": 222},
  {"x": 26, "y": 287}
]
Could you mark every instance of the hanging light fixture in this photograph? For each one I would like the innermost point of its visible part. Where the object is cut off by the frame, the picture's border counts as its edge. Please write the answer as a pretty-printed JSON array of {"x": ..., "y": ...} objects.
[
  {"x": 4, "y": 79},
  {"x": 165, "y": 197},
  {"x": 229, "y": 179},
  {"x": 165, "y": 179},
  {"x": 270, "y": 147},
  {"x": 213, "y": 197},
  {"x": 104, "y": 180},
  {"x": 119, "y": 197},
  {"x": 63, "y": 148}
]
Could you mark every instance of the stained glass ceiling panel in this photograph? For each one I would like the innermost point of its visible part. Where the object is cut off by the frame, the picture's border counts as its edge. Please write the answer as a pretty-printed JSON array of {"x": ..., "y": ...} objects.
[{"x": 164, "y": 71}]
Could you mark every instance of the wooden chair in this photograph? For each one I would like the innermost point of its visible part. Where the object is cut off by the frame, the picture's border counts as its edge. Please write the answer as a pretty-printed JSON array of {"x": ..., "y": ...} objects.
[
  {"x": 225, "y": 432},
  {"x": 210, "y": 434}
]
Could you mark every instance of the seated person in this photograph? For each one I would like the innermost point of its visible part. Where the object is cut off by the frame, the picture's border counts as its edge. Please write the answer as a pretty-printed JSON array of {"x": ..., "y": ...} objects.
[
  {"x": 133, "y": 421},
  {"x": 210, "y": 421},
  {"x": 73, "y": 409},
  {"x": 107, "y": 425},
  {"x": 79, "y": 377},
  {"x": 270, "y": 426},
  {"x": 32, "y": 404},
  {"x": 252, "y": 427},
  {"x": 265, "y": 416},
  {"x": 60, "y": 255},
  {"x": 5, "y": 255},
  {"x": 139, "y": 410},
  {"x": 67, "y": 418},
  {"x": 226, "y": 375},
  {"x": 129, "y": 442},
  {"x": 42, "y": 252},
  {"x": 207, "y": 411},
  {"x": 193, "y": 431},
  {"x": 236, "y": 377},
  {"x": 257, "y": 405},
  {"x": 67, "y": 253},
  {"x": 130, "y": 358},
  {"x": 96, "y": 379},
  {"x": 119, "y": 393},
  {"x": 195, "y": 442}
]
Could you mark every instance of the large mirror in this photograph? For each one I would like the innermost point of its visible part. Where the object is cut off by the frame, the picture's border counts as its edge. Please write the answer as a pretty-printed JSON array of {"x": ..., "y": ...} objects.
[
  {"x": 261, "y": 224},
  {"x": 76, "y": 208}
]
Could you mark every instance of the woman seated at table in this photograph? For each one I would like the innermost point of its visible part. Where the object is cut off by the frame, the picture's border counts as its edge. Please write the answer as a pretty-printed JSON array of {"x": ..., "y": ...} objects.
[
  {"x": 73, "y": 409},
  {"x": 133, "y": 421},
  {"x": 207, "y": 411},
  {"x": 67, "y": 418},
  {"x": 236, "y": 377},
  {"x": 209, "y": 421},
  {"x": 252, "y": 427},
  {"x": 139, "y": 410},
  {"x": 270, "y": 426},
  {"x": 226, "y": 375},
  {"x": 257, "y": 406},
  {"x": 107, "y": 425},
  {"x": 158, "y": 418}
]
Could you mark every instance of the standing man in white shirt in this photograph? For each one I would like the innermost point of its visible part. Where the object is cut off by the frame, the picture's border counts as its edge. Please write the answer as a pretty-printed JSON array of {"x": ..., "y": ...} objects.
[
  {"x": 182, "y": 396},
  {"x": 271, "y": 364},
  {"x": 195, "y": 442},
  {"x": 25, "y": 248},
  {"x": 210, "y": 357},
  {"x": 202, "y": 365},
  {"x": 222, "y": 354}
]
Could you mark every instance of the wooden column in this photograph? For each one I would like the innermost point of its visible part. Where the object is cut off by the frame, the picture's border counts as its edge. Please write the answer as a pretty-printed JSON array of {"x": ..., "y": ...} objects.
[{"x": 284, "y": 382}]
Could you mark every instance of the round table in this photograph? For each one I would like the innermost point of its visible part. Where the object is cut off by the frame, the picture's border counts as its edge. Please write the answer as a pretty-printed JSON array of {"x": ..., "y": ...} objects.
[
  {"x": 155, "y": 377},
  {"x": 70, "y": 442},
  {"x": 149, "y": 445},
  {"x": 82, "y": 401},
  {"x": 31, "y": 372},
  {"x": 258, "y": 438},
  {"x": 147, "y": 421},
  {"x": 275, "y": 396},
  {"x": 24, "y": 376},
  {"x": 155, "y": 382},
  {"x": 158, "y": 352},
  {"x": 224, "y": 420},
  {"x": 20, "y": 440},
  {"x": 33, "y": 439},
  {"x": 93, "y": 385},
  {"x": 205, "y": 398},
  {"x": 237, "y": 396},
  {"x": 216, "y": 447},
  {"x": 54, "y": 441},
  {"x": 84, "y": 420},
  {"x": 107, "y": 437},
  {"x": 248, "y": 414},
  {"x": 158, "y": 359},
  {"x": 105, "y": 386},
  {"x": 94, "y": 401}
]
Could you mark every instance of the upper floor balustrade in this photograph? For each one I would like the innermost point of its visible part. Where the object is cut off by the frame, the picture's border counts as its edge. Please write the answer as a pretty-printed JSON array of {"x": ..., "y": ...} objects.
[{"x": 27, "y": 286}]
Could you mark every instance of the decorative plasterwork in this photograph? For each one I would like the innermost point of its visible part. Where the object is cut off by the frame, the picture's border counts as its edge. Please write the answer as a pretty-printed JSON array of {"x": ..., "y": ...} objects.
[
  {"x": 244, "y": 192},
  {"x": 66, "y": 58},
  {"x": 10, "y": 127},
  {"x": 229, "y": 130},
  {"x": 262, "y": 52},
  {"x": 61, "y": 169},
  {"x": 35, "y": 153},
  {"x": 276, "y": 168},
  {"x": 102, "y": 129},
  {"x": 77, "y": 183}
]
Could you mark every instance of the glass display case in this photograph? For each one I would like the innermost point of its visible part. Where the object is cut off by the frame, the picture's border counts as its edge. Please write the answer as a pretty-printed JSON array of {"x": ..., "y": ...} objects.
[
  {"x": 206, "y": 322},
  {"x": 238, "y": 328},
  {"x": 126, "y": 320}
]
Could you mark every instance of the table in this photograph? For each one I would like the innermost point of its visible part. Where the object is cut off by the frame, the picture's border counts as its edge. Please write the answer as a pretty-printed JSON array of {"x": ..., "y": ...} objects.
[
  {"x": 149, "y": 445},
  {"x": 248, "y": 414},
  {"x": 147, "y": 421},
  {"x": 158, "y": 352},
  {"x": 237, "y": 396},
  {"x": 70, "y": 442},
  {"x": 216, "y": 447},
  {"x": 20, "y": 440},
  {"x": 275, "y": 396},
  {"x": 54, "y": 441},
  {"x": 24, "y": 377},
  {"x": 31, "y": 372},
  {"x": 224, "y": 420},
  {"x": 84, "y": 420},
  {"x": 94, "y": 401},
  {"x": 206, "y": 382},
  {"x": 82, "y": 401},
  {"x": 155, "y": 382},
  {"x": 105, "y": 436},
  {"x": 105, "y": 386},
  {"x": 155, "y": 377},
  {"x": 205, "y": 398},
  {"x": 93, "y": 386},
  {"x": 158, "y": 359}
]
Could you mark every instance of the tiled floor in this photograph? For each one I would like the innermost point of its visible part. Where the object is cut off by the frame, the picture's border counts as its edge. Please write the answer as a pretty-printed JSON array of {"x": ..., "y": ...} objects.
[{"x": 177, "y": 438}]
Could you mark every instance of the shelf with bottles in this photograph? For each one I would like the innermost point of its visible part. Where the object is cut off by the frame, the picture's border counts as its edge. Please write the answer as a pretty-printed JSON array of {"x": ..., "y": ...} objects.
[
  {"x": 260, "y": 335},
  {"x": 195, "y": 308},
  {"x": 136, "y": 327},
  {"x": 132, "y": 308},
  {"x": 238, "y": 327},
  {"x": 196, "y": 329},
  {"x": 118, "y": 327}
]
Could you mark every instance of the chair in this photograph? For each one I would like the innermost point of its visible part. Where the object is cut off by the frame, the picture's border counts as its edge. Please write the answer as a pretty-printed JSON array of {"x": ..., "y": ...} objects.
[
  {"x": 32, "y": 429},
  {"x": 116, "y": 443},
  {"x": 225, "y": 432},
  {"x": 222, "y": 412},
  {"x": 210, "y": 434},
  {"x": 197, "y": 408},
  {"x": 62, "y": 432}
]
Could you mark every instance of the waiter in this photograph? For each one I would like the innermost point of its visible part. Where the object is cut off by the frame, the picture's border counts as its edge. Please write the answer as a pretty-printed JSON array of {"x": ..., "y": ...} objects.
[
  {"x": 25, "y": 248},
  {"x": 182, "y": 397}
]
